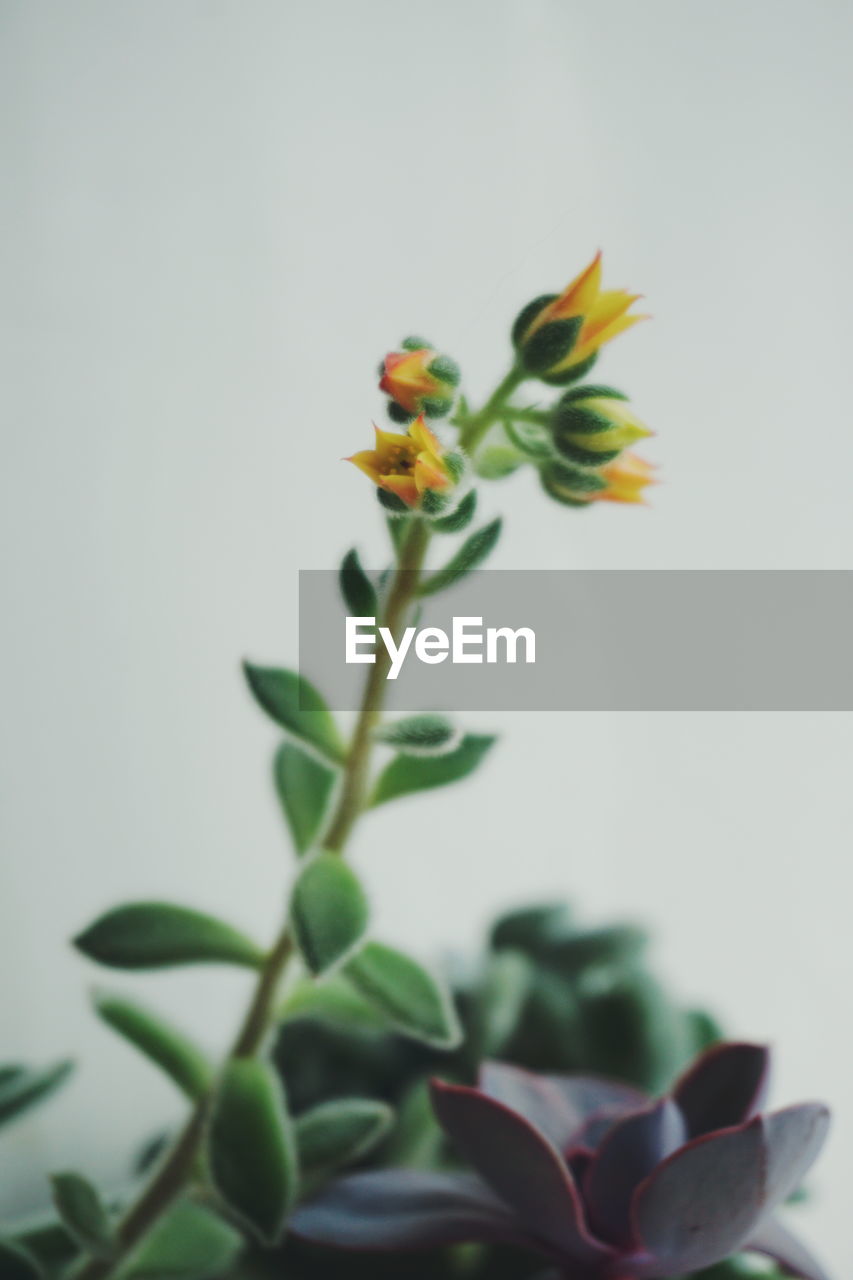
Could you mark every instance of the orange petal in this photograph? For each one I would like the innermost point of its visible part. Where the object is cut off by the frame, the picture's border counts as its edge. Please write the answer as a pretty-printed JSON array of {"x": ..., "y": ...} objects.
[
  {"x": 577, "y": 298},
  {"x": 403, "y": 486},
  {"x": 430, "y": 474}
]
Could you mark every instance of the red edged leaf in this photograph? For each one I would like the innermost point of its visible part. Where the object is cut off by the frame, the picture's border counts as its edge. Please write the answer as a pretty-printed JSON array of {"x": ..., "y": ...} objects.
[{"x": 724, "y": 1088}]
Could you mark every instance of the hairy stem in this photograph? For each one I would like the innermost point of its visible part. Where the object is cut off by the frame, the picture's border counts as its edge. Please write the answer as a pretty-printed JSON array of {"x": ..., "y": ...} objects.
[
  {"x": 472, "y": 430},
  {"x": 174, "y": 1172}
]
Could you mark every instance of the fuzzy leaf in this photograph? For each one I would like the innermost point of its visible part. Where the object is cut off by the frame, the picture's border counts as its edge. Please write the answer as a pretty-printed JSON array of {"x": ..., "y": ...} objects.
[
  {"x": 409, "y": 997},
  {"x": 169, "y": 1048},
  {"x": 297, "y": 706},
  {"x": 24, "y": 1087},
  {"x": 252, "y": 1147},
  {"x": 338, "y": 1133},
  {"x": 459, "y": 519},
  {"x": 304, "y": 785},
  {"x": 409, "y": 773},
  {"x": 357, "y": 590},
  {"x": 329, "y": 912},
  {"x": 156, "y": 935},
  {"x": 472, "y": 553},
  {"x": 16, "y": 1263},
  {"x": 334, "y": 1000},
  {"x": 81, "y": 1209},
  {"x": 188, "y": 1243},
  {"x": 420, "y": 735}
]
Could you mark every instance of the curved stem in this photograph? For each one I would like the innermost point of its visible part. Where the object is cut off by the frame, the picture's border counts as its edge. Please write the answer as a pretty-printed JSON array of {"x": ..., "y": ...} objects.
[
  {"x": 472, "y": 430},
  {"x": 173, "y": 1174}
]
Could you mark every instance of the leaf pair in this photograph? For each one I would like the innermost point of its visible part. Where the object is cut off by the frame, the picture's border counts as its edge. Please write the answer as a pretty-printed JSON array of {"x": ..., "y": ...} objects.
[
  {"x": 259, "y": 1158},
  {"x": 330, "y": 914}
]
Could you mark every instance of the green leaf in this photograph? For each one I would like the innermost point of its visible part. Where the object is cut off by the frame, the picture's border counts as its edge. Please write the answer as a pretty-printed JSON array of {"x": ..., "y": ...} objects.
[
  {"x": 410, "y": 998},
  {"x": 46, "y": 1239},
  {"x": 333, "y": 1000},
  {"x": 172, "y": 1051},
  {"x": 16, "y": 1263},
  {"x": 531, "y": 438},
  {"x": 357, "y": 590},
  {"x": 81, "y": 1209},
  {"x": 338, "y": 1133},
  {"x": 615, "y": 945},
  {"x": 329, "y": 912},
  {"x": 472, "y": 553},
  {"x": 298, "y": 707},
  {"x": 304, "y": 786},
  {"x": 24, "y": 1087},
  {"x": 416, "y": 1141},
  {"x": 506, "y": 986},
  {"x": 533, "y": 929},
  {"x": 496, "y": 461},
  {"x": 156, "y": 935},
  {"x": 252, "y": 1147},
  {"x": 188, "y": 1243},
  {"x": 409, "y": 773},
  {"x": 460, "y": 518},
  {"x": 421, "y": 735}
]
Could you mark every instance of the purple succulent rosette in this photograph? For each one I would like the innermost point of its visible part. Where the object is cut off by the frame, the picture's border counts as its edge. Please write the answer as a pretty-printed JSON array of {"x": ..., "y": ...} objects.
[{"x": 595, "y": 1176}]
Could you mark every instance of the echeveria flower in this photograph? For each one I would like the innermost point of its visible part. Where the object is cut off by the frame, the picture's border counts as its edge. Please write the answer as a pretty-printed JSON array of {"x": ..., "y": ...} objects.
[
  {"x": 556, "y": 335},
  {"x": 602, "y": 1181},
  {"x": 623, "y": 480},
  {"x": 406, "y": 465}
]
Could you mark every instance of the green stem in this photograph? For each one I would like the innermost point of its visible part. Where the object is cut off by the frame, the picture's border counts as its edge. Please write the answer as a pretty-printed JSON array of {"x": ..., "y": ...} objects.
[
  {"x": 473, "y": 429},
  {"x": 403, "y": 588},
  {"x": 173, "y": 1174},
  {"x": 540, "y": 416}
]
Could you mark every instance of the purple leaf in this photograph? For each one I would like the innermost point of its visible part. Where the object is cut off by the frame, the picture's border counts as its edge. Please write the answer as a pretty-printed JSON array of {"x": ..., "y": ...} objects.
[
  {"x": 405, "y": 1209},
  {"x": 794, "y": 1138},
  {"x": 521, "y": 1165},
  {"x": 776, "y": 1242},
  {"x": 702, "y": 1203},
  {"x": 589, "y": 1095},
  {"x": 725, "y": 1088},
  {"x": 633, "y": 1148},
  {"x": 535, "y": 1097}
]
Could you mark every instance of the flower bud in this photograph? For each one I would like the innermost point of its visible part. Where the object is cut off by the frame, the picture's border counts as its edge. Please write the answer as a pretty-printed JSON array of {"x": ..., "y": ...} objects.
[
  {"x": 414, "y": 468},
  {"x": 558, "y": 336},
  {"x": 621, "y": 481},
  {"x": 592, "y": 425},
  {"x": 419, "y": 381}
]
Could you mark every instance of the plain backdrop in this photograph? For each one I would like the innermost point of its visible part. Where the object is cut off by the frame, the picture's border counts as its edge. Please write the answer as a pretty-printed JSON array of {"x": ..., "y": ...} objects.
[{"x": 216, "y": 216}]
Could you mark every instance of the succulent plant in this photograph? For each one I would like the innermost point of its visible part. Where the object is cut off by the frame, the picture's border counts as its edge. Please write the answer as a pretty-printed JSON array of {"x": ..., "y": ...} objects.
[{"x": 597, "y": 1178}]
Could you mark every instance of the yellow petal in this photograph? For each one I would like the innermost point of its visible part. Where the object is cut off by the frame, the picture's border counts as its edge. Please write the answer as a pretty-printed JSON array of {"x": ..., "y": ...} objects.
[
  {"x": 578, "y": 298},
  {"x": 430, "y": 474},
  {"x": 368, "y": 462}
]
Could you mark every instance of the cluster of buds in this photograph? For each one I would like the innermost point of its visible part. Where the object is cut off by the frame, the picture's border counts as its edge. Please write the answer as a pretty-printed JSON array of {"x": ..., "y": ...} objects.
[
  {"x": 412, "y": 471},
  {"x": 418, "y": 380}
]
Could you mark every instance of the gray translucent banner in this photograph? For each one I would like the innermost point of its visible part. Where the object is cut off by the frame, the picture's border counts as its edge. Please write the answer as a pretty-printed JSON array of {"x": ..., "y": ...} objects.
[{"x": 603, "y": 641}]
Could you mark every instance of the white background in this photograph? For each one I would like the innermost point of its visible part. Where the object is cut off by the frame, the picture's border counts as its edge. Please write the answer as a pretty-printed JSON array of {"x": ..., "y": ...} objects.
[{"x": 217, "y": 215}]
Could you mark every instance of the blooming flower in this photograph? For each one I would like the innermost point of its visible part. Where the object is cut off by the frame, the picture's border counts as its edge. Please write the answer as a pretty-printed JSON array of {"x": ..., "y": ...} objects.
[
  {"x": 406, "y": 465},
  {"x": 419, "y": 380},
  {"x": 602, "y": 1181},
  {"x": 558, "y": 335}
]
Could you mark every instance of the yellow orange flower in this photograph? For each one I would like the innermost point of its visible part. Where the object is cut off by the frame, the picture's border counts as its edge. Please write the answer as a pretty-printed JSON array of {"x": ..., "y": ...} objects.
[
  {"x": 625, "y": 479},
  {"x": 419, "y": 380},
  {"x": 582, "y": 319},
  {"x": 406, "y": 465}
]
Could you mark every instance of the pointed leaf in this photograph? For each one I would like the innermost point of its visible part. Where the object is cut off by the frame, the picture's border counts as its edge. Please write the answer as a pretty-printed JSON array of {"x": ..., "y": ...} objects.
[
  {"x": 406, "y": 994},
  {"x": 334, "y": 999},
  {"x": 156, "y": 935},
  {"x": 405, "y": 1209},
  {"x": 17, "y": 1263},
  {"x": 304, "y": 785},
  {"x": 459, "y": 519},
  {"x": 297, "y": 706},
  {"x": 473, "y": 552},
  {"x": 520, "y": 1165},
  {"x": 774, "y": 1240},
  {"x": 252, "y": 1148},
  {"x": 419, "y": 773},
  {"x": 81, "y": 1209},
  {"x": 188, "y": 1243},
  {"x": 329, "y": 912},
  {"x": 24, "y": 1087},
  {"x": 421, "y": 735},
  {"x": 338, "y": 1133},
  {"x": 172, "y": 1051},
  {"x": 726, "y": 1087},
  {"x": 357, "y": 590}
]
